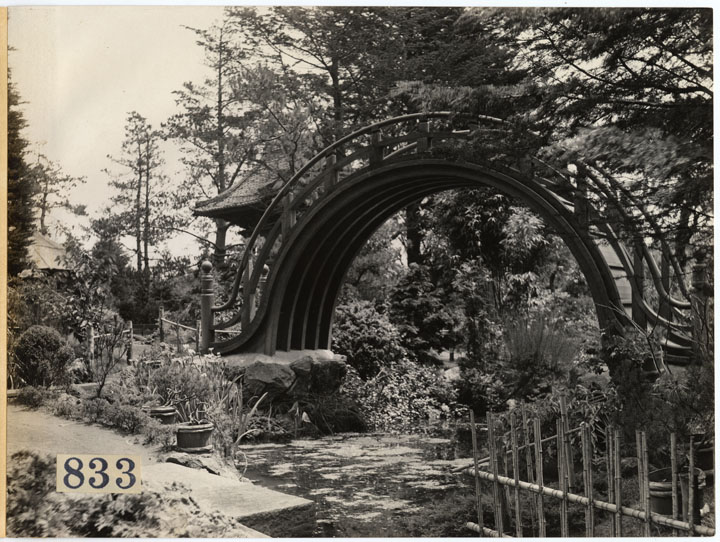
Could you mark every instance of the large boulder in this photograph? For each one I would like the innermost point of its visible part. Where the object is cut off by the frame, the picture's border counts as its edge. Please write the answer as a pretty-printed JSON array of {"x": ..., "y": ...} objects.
[{"x": 272, "y": 378}]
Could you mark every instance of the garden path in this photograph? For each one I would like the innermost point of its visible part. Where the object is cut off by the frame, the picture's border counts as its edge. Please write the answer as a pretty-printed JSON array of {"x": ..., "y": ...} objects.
[
  {"x": 262, "y": 508},
  {"x": 29, "y": 429}
]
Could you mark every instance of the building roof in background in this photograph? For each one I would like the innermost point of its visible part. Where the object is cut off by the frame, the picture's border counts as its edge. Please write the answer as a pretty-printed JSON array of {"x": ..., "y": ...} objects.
[
  {"x": 242, "y": 204},
  {"x": 46, "y": 254}
]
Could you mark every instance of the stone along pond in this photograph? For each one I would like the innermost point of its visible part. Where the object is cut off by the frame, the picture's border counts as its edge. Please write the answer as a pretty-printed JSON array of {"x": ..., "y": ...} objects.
[{"x": 369, "y": 484}]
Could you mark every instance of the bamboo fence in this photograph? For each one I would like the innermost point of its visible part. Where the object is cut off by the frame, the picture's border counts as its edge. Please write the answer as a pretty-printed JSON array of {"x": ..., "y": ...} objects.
[{"x": 511, "y": 513}]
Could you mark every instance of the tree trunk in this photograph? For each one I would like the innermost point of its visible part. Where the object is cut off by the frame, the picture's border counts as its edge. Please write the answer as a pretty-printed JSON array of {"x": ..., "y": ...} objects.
[
  {"x": 146, "y": 233},
  {"x": 138, "y": 210},
  {"x": 220, "y": 241},
  {"x": 413, "y": 233}
]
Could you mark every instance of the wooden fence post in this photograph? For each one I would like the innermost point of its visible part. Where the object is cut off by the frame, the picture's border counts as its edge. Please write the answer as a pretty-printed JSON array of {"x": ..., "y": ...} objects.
[
  {"x": 207, "y": 299},
  {"x": 161, "y": 315},
  {"x": 539, "y": 477}
]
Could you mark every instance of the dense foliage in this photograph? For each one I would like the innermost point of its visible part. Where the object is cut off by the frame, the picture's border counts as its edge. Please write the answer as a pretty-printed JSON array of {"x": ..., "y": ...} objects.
[
  {"x": 35, "y": 509},
  {"x": 40, "y": 357}
]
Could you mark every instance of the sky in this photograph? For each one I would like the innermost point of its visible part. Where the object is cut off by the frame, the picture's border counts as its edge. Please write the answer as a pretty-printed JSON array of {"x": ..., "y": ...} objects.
[{"x": 81, "y": 70}]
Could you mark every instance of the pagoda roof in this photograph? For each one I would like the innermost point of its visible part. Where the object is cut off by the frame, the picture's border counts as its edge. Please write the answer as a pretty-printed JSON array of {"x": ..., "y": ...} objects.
[{"x": 242, "y": 204}]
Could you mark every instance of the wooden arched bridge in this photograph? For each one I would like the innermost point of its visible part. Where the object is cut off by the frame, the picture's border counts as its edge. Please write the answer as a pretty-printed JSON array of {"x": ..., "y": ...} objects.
[{"x": 284, "y": 294}]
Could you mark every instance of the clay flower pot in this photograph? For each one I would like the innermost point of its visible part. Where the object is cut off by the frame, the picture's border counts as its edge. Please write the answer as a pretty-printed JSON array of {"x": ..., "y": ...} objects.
[
  {"x": 164, "y": 414},
  {"x": 194, "y": 438}
]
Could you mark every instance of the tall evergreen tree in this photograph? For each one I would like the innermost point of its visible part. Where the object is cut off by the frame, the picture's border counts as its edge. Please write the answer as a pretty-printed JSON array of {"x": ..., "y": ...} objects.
[{"x": 20, "y": 187}]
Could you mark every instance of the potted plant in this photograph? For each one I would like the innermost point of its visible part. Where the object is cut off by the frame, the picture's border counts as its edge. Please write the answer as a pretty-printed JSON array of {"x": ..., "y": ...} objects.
[{"x": 194, "y": 433}]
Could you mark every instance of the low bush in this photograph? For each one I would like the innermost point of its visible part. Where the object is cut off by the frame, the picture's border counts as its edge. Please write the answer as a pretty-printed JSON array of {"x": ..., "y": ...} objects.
[
  {"x": 35, "y": 509},
  {"x": 32, "y": 397},
  {"x": 40, "y": 357}
]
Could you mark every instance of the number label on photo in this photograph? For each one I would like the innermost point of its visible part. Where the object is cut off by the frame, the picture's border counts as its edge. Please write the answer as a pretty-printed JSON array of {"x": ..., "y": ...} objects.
[{"x": 93, "y": 473}]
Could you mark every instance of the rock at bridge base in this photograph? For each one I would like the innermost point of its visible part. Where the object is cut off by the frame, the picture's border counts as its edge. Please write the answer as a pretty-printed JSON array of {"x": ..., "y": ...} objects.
[{"x": 291, "y": 374}]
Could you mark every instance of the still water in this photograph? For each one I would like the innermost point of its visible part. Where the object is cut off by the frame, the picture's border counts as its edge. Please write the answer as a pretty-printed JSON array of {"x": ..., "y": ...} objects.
[{"x": 367, "y": 484}]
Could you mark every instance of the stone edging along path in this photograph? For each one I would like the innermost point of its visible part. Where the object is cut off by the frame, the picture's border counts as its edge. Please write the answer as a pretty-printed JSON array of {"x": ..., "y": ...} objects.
[{"x": 270, "y": 512}]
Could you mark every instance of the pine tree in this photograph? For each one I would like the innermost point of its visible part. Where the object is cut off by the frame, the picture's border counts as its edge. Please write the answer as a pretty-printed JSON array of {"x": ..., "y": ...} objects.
[{"x": 20, "y": 188}]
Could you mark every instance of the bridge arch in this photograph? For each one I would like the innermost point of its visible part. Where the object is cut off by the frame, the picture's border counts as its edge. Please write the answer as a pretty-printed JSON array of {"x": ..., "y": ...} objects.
[
  {"x": 307, "y": 274},
  {"x": 320, "y": 219}
]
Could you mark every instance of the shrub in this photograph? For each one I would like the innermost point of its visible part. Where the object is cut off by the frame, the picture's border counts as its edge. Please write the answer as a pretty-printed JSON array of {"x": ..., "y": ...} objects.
[
  {"x": 366, "y": 337},
  {"x": 481, "y": 391},
  {"x": 41, "y": 357},
  {"x": 401, "y": 397},
  {"x": 35, "y": 509},
  {"x": 180, "y": 381},
  {"x": 32, "y": 397},
  {"x": 539, "y": 351}
]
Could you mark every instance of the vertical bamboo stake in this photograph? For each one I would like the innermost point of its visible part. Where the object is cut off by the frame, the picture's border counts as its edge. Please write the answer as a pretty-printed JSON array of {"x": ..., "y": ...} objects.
[
  {"x": 610, "y": 468},
  {"x": 691, "y": 487},
  {"x": 588, "y": 480},
  {"x": 528, "y": 464},
  {"x": 646, "y": 482},
  {"x": 674, "y": 471},
  {"x": 567, "y": 452},
  {"x": 618, "y": 484},
  {"x": 539, "y": 477},
  {"x": 562, "y": 465},
  {"x": 505, "y": 490},
  {"x": 496, "y": 485},
  {"x": 516, "y": 475},
  {"x": 640, "y": 469},
  {"x": 478, "y": 501}
]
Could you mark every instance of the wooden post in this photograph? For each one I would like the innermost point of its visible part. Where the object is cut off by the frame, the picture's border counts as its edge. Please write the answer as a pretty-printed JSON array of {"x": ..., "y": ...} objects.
[
  {"x": 562, "y": 475},
  {"x": 610, "y": 468},
  {"x": 674, "y": 474},
  {"x": 528, "y": 463},
  {"x": 161, "y": 329},
  {"x": 177, "y": 337},
  {"x": 495, "y": 470},
  {"x": 130, "y": 342},
  {"x": 207, "y": 299},
  {"x": 645, "y": 497},
  {"x": 691, "y": 486},
  {"x": 478, "y": 498},
  {"x": 567, "y": 452},
  {"x": 587, "y": 456},
  {"x": 516, "y": 475},
  {"x": 618, "y": 483},
  {"x": 640, "y": 468},
  {"x": 539, "y": 477}
]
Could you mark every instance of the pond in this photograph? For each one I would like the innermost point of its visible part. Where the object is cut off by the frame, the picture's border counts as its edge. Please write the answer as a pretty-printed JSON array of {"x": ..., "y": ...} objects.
[{"x": 370, "y": 485}]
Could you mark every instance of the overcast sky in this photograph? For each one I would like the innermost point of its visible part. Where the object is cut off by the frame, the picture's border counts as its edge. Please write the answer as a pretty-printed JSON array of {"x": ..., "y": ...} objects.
[{"x": 81, "y": 70}]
